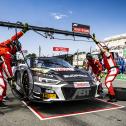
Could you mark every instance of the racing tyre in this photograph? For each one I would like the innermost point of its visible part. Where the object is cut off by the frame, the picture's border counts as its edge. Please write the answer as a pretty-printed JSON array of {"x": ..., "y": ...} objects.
[
  {"x": 17, "y": 89},
  {"x": 120, "y": 93}
]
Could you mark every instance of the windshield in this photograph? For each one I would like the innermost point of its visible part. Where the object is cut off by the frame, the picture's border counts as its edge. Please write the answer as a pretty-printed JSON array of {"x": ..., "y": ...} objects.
[{"x": 53, "y": 63}]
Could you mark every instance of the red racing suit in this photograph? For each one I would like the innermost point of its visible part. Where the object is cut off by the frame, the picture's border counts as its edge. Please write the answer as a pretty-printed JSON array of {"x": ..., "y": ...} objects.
[
  {"x": 96, "y": 69},
  {"x": 6, "y": 52},
  {"x": 95, "y": 65},
  {"x": 112, "y": 69},
  {"x": 109, "y": 64}
]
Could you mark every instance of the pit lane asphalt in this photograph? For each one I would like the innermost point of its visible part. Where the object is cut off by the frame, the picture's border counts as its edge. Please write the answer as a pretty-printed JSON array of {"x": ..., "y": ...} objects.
[{"x": 17, "y": 114}]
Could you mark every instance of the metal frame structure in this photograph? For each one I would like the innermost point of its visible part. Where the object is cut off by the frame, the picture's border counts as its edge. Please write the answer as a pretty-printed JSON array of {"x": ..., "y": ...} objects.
[{"x": 44, "y": 29}]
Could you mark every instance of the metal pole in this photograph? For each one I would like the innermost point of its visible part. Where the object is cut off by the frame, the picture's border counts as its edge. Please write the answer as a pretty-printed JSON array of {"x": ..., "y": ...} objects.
[
  {"x": 77, "y": 57},
  {"x": 44, "y": 29},
  {"x": 39, "y": 51},
  {"x": 90, "y": 49}
]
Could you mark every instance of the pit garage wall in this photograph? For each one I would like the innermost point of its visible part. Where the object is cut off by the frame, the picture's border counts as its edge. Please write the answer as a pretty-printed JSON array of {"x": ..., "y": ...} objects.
[
  {"x": 117, "y": 44},
  {"x": 79, "y": 59}
]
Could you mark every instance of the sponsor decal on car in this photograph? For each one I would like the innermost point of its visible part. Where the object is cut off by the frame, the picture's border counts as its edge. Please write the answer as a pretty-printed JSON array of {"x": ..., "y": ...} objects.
[
  {"x": 63, "y": 69},
  {"x": 81, "y": 84},
  {"x": 74, "y": 75},
  {"x": 81, "y": 92}
]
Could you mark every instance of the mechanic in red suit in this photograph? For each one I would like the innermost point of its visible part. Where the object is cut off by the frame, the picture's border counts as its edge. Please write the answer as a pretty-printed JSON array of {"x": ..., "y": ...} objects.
[
  {"x": 7, "y": 49},
  {"x": 96, "y": 67},
  {"x": 112, "y": 69}
]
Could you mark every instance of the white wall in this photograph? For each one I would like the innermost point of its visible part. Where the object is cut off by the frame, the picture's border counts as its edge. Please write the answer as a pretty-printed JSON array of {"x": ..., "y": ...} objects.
[{"x": 80, "y": 58}]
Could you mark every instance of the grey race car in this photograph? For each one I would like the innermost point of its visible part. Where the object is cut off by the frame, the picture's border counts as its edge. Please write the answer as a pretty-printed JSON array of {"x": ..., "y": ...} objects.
[{"x": 53, "y": 79}]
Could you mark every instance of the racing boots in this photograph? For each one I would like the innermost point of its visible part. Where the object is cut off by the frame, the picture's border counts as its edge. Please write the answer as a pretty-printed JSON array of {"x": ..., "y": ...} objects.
[
  {"x": 2, "y": 105},
  {"x": 6, "y": 98},
  {"x": 112, "y": 98}
]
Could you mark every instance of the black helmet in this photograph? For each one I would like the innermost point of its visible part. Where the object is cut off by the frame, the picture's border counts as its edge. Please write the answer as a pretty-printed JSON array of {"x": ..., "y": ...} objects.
[
  {"x": 15, "y": 47},
  {"x": 88, "y": 55}
]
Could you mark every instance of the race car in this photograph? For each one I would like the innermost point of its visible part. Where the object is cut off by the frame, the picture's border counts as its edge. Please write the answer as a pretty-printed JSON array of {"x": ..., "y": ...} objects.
[{"x": 49, "y": 79}]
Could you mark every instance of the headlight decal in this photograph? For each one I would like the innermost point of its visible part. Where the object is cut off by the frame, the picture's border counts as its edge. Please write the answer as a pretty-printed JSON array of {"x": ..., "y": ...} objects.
[{"x": 47, "y": 80}]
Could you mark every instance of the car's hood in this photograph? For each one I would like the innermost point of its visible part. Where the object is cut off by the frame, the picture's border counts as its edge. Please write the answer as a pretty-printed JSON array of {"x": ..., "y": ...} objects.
[
  {"x": 46, "y": 70},
  {"x": 74, "y": 75},
  {"x": 66, "y": 74}
]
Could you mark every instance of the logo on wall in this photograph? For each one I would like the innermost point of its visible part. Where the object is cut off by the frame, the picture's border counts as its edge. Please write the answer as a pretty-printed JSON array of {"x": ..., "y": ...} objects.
[{"x": 61, "y": 49}]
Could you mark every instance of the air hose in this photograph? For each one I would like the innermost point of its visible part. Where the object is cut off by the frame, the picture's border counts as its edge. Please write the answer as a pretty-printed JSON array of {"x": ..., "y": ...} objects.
[{"x": 15, "y": 92}]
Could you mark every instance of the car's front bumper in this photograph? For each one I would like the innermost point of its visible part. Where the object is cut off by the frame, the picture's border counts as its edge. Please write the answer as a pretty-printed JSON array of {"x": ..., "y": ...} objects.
[{"x": 62, "y": 92}]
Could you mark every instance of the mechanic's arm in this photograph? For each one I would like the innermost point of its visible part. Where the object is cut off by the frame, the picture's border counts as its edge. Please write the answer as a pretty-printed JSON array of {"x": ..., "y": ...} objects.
[
  {"x": 16, "y": 36},
  {"x": 98, "y": 43}
]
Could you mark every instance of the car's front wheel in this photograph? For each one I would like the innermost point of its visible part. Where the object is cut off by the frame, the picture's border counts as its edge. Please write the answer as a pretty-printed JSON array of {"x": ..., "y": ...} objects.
[{"x": 16, "y": 86}]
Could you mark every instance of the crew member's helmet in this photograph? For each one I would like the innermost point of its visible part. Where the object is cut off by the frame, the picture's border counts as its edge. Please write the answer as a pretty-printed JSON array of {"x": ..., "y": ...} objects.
[
  {"x": 106, "y": 47},
  {"x": 89, "y": 56}
]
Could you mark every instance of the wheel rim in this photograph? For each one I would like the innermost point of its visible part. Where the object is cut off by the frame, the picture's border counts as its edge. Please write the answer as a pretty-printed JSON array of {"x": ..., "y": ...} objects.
[
  {"x": 18, "y": 80},
  {"x": 17, "y": 91}
]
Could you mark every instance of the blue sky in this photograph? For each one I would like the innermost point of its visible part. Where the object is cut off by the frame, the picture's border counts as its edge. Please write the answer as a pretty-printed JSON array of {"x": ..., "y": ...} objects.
[{"x": 105, "y": 17}]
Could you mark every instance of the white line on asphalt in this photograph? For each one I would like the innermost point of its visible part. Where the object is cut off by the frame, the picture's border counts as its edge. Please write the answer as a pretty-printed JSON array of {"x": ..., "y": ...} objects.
[
  {"x": 81, "y": 113},
  {"x": 32, "y": 110},
  {"x": 109, "y": 102}
]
